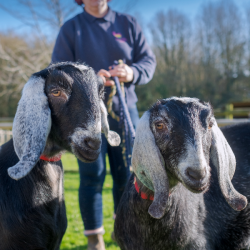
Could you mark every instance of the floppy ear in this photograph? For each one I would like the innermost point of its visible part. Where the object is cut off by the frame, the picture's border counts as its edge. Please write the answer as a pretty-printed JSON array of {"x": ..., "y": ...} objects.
[
  {"x": 223, "y": 159},
  {"x": 112, "y": 137},
  {"x": 148, "y": 165},
  {"x": 31, "y": 127}
]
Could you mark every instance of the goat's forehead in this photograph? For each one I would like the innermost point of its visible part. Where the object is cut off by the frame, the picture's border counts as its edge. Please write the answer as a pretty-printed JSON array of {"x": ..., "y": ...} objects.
[
  {"x": 185, "y": 100},
  {"x": 71, "y": 68},
  {"x": 69, "y": 64},
  {"x": 74, "y": 77},
  {"x": 181, "y": 108},
  {"x": 59, "y": 77}
]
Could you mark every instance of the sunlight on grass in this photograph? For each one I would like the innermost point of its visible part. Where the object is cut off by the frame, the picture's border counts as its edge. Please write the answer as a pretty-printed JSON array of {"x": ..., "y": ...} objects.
[{"x": 74, "y": 238}]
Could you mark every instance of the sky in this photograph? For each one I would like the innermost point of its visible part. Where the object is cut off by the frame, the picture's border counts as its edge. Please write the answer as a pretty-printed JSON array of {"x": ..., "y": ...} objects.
[{"x": 144, "y": 9}]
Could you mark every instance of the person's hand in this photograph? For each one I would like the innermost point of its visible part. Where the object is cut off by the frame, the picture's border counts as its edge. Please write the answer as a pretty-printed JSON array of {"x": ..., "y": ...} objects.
[
  {"x": 104, "y": 74},
  {"x": 123, "y": 72}
]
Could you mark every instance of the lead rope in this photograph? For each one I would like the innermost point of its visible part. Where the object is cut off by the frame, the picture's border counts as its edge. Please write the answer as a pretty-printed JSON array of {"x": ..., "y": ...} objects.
[
  {"x": 128, "y": 132},
  {"x": 110, "y": 102}
]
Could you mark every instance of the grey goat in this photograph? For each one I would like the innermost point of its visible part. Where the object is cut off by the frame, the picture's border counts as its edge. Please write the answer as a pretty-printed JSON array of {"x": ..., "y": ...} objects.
[
  {"x": 61, "y": 108},
  {"x": 181, "y": 195}
]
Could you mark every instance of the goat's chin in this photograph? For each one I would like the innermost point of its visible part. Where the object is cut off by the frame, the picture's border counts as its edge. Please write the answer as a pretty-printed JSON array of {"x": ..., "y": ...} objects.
[
  {"x": 200, "y": 186},
  {"x": 197, "y": 189},
  {"x": 86, "y": 155}
]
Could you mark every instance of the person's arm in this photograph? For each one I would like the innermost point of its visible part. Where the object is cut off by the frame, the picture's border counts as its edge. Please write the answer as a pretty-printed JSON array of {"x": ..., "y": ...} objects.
[
  {"x": 142, "y": 69},
  {"x": 64, "y": 46},
  {"x": 144, "y": 61}
]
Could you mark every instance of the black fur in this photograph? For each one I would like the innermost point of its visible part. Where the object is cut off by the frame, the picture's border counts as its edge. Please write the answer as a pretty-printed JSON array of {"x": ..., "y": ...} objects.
[
  {"x": 200, "y": 220},
  {"x": 32, "y": 209},
  {"x": 32, "y": 215}
]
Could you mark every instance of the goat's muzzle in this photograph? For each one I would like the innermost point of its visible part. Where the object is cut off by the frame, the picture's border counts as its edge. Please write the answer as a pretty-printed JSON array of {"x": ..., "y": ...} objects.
[
  {"x": 85, "y": 153},
  {"x": 196, "y": 179},
  {"x": 85, "y": 146},
  {"x": 196, "y": 174}
]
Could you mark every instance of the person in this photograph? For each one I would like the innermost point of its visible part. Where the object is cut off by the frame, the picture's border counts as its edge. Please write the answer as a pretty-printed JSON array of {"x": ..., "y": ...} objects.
[{"x": 98, "y": 36}]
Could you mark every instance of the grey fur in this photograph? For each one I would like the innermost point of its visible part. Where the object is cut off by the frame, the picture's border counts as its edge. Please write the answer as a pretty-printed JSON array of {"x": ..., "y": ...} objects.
[
  {"x": 112, "y": 137},
  {"x": 223, "y": 158},
  {"x": 147, "y": 163},
  {"x": 31, "y": 127}
]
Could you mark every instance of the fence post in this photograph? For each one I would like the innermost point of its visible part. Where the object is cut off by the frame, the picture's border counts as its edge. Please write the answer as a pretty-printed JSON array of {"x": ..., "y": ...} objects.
[
  {"x": 5, "y": 136},
  {"x": 229, "y": 109}
]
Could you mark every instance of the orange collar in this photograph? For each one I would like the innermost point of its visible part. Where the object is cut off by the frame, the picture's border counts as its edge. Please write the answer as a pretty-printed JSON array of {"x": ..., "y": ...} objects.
[
  {"x": 52, "y": 159},
  {"x": 142, "y": 194}
]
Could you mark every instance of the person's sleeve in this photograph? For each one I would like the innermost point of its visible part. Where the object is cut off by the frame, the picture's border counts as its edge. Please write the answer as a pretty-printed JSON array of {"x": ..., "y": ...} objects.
[
  {"x": 64, "y": 46},
  {"x": 144, "y": 61}
]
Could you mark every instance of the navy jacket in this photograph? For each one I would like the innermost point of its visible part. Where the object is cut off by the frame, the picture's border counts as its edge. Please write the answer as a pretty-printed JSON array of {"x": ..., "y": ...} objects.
[{"x": 99, "y": 41}]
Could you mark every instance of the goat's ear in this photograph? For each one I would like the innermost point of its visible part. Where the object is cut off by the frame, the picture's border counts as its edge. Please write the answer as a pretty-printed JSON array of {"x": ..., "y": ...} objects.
[
  {"x": 112, "y": 137},
  {"x": 223, "y": 158},
  {"x": 31, "y": 126},
  {"x": 148, "y": 165}
]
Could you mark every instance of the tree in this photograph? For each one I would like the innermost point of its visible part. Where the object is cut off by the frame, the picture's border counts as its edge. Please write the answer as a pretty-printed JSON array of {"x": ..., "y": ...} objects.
[
  {"x": 21, "y": 56},
  {"x": 207, "y": 62},
  {"x": 19, "y": 59},
  {"x": 171, "y": 32},
  {"x": 222, "y": 46}
]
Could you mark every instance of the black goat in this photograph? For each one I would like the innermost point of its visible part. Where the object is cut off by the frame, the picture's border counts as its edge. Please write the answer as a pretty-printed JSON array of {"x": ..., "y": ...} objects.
[
  {"x": 61, "y": 108},
  {"x": 183, "y": 163}
]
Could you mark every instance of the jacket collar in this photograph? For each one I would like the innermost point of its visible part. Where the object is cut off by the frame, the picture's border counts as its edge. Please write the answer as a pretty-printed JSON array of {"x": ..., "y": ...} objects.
[{"x": 109, "y": 17}]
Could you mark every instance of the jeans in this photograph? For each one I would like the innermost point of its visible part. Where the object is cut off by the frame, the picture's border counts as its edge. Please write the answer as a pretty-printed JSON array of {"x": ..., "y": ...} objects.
[{"x": 92, "y": 176}]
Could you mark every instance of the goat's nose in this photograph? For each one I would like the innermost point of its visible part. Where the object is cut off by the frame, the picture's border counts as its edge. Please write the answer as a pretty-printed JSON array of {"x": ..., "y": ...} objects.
[
  {"x": 196, "y": 174},
  {"x": 92, "y": 143}
]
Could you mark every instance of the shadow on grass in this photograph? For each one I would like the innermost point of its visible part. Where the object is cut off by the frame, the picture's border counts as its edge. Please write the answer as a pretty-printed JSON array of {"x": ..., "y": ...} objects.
[
  {"x": 111, "y": 244},
  {"x": 84, "y": 247}
]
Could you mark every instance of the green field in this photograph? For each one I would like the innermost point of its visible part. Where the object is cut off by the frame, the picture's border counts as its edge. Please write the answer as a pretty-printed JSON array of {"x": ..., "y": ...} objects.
[{"x": 74, "y": 238}]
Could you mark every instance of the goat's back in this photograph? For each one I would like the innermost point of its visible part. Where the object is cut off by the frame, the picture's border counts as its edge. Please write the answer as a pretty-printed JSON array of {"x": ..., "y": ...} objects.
[{"x": 32, "y": 209}]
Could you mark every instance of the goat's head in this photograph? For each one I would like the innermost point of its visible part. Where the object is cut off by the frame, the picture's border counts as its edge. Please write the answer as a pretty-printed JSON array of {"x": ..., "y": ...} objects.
[
  {"x": 61, "y": 108},
  {"x": 175, "y": 141}
]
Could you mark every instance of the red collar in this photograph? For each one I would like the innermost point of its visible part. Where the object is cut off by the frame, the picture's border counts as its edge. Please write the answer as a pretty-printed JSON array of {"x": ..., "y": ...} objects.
[
  {"x": 52, "y": 159},
  {"x": 143, "y": 195}
]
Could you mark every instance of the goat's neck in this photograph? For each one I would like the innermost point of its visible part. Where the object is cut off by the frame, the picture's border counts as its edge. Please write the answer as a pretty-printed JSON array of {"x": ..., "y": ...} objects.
[
  {"x": 174, "y": 201},
  {"x": 173, "y": 186},
  {"x": 52, "y": 148},
  {"x": 181, "y": 211}
]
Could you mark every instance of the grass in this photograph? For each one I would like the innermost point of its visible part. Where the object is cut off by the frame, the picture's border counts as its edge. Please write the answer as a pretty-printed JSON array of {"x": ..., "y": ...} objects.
[{"x": 74, "y": 238}]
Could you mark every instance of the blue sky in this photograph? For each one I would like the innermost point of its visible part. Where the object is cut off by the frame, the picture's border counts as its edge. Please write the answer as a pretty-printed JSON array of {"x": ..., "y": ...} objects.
[{"x": 146, "y": 9}]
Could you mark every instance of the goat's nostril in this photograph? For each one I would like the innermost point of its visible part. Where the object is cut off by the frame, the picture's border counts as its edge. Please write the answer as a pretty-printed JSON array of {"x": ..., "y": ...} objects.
[
  {"x": 196, "y": 174},
  {"x": 92, "y": 143}
]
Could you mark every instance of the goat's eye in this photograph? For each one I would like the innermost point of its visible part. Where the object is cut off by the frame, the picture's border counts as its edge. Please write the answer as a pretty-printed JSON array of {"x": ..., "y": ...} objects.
[
  {"x": 210, "y": 125},
  {"x": 159, "y": 125},
  {"x": 56, "y": 93}
]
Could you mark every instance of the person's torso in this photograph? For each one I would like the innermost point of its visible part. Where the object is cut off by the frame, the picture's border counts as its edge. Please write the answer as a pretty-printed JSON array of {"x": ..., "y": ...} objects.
[{"x": 99, "y": 42}]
